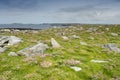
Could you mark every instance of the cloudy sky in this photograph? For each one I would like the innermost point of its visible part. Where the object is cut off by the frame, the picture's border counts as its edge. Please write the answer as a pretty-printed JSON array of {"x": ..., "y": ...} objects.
[{"x": 60, "y": 11}]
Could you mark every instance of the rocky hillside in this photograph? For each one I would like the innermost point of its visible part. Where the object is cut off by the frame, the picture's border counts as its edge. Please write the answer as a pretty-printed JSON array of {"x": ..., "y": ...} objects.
[{"x": 71, "y": 53}]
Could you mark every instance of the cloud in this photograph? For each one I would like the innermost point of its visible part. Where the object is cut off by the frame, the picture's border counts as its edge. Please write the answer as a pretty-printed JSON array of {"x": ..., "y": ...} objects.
[{"x": 18, "y": 4}]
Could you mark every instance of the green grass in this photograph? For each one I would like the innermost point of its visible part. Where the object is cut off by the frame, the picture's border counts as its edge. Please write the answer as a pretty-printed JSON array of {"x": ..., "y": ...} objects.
[{"x": 14, "y": 68}]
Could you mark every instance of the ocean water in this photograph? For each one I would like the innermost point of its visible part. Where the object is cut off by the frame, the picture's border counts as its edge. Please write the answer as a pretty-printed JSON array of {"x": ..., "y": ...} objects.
[{"x": 32, "y": 26}]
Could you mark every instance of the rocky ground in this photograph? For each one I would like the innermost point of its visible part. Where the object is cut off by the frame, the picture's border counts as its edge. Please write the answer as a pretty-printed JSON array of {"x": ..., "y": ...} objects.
[{"x": 80, "y": 52}]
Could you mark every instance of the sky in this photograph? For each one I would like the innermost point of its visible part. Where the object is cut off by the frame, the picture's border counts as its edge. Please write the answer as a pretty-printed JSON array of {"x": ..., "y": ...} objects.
[{"x": 60, "y": 11}]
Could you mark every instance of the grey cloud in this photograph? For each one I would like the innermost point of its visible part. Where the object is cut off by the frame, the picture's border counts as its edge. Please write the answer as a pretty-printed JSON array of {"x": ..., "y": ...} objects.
[{"x": 18, "y": 4}]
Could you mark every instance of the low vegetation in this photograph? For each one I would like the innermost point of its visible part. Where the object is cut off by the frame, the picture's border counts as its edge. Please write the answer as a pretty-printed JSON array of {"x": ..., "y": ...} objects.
[{"x": 56, "y": 63}]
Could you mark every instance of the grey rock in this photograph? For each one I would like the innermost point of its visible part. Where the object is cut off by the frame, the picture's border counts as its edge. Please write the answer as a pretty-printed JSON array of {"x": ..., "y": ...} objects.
[
  {"x": 112, "y": 47},
  {"x": 76, "y": 68},
  {"x": 114, "y": 34},
  {"x": 33, "y": 50},
  {"x": 83, "y": 43},
  {"x": 54, "y": 43},
  {"x": 12, "y": 54},
  {"x": 9, "y": 40},
  {"x": 98, "y": 61},
  {"x": 2, "y": 49},
  {"x": 75, "y": 37},
  {"x": 65, "y": 38},
  {"x": 92, "y": 29}
]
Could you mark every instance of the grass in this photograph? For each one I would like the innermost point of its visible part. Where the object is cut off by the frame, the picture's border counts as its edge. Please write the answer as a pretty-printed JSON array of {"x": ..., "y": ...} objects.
[{"x": 14, "y": 68}]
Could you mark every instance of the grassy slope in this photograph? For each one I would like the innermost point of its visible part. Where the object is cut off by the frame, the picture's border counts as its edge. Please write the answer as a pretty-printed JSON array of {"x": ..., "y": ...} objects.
[{"x": 13, "y": 68}]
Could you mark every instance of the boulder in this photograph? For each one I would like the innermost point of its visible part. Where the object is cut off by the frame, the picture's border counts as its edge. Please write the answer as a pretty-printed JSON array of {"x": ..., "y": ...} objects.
[
  {"x": 14, "y": 40},
  {"x": 12, "y": 54},
  {"x": 54, "y": 43},
  {"x": 33, "y": 50},
  {"x": 9, "y": 40},
  {"x": 112, "y": 47}
]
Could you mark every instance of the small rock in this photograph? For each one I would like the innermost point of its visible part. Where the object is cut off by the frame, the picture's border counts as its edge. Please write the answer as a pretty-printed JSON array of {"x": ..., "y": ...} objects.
[
  {"x": 91, "y": 38},
  {"x": 107, "y": 29},
  {"x": 65, "y": 38},
  {"x": 75, "y": 37},
  {"x": 12, "y": 54},
  {"x": 92, "y": 30},
  {"x": 76, "y": 68},
  {"x": 112, "y": 47},
  {"x": 54, "y": 43},
  {"x": 83, "y": 43},
  {"x": 98, "y": 61},
  {"x": 2, "y": 49},
  {"x": 114, "y": 34}
]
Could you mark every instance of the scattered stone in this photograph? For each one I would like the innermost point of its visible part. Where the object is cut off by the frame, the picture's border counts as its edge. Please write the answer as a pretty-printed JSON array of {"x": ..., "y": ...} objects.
[
  {"x": 71, "y": 62},
  {"x": 33, "y": 50},
  {"x": 2, "y": 49},
  {"x": 107, "y": 29},
  {"x": 114, "y": 34},
  {"x": 65, "y": 38},
  {"x": 98, "y": 61},
  {"x": 76, "y": 68},
  {"x": 12, "y": 54},
  {"x": 45, "y": 64},
  {"x": 75, "y": 37},
  {"x": 92, "y": 30},
  {"x": 112, "y": 47},
  {"x": 83, "y": 43},
  {"x": 54, "y": 43}
]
